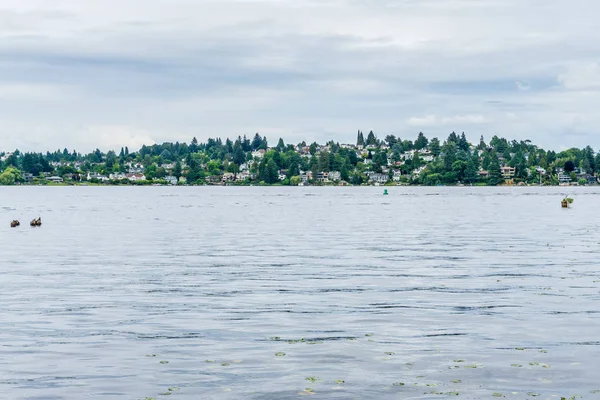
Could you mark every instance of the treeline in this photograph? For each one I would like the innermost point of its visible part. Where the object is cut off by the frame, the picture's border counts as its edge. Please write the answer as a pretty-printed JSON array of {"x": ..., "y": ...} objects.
[{"x": 420, "y": 161}]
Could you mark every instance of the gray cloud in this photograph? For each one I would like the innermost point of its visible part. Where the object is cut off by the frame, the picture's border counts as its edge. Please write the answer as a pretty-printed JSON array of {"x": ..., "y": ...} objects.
[{"x": 80, "y": 74}]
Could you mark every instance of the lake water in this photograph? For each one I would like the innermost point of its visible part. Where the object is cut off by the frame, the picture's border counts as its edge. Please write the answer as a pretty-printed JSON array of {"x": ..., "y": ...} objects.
[{"x": 263, "y": 293}]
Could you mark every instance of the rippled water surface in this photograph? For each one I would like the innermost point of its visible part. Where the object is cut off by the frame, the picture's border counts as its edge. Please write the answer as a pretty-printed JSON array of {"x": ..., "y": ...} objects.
[{"x": 277, "y": 293}]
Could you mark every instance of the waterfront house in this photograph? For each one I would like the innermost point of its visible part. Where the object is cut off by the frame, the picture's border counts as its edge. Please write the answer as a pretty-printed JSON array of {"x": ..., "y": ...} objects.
[
  {"x": 242, "y": 176},
  {"x": 507, "y": 172},
  {"x": 564, "y": 178},
  {"x": 28, "y": 177},
  {"x": 171, "y": 180},
  {"x": 378, "y": 178},
  {"x": 228, "y": 177},
  {"x": 334, "y": 176},
  {"x": 55, "y": 179},
  {"x": 136, "y": 177}
]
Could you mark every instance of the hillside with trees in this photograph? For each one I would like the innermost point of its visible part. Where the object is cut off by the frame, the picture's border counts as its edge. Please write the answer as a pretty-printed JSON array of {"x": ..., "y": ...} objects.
[{"x": 253, "y": 161}]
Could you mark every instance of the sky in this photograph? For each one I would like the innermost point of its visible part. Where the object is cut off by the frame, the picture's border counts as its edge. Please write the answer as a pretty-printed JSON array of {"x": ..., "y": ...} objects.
[{"x": 87, "y": 74}]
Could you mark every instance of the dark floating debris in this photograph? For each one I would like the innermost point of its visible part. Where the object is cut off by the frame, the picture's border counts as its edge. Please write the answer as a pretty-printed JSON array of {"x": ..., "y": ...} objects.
[
  {"x": 36, "y": 222},
  {"x": 14, "y": 223},
  {"x": 566, "y": 202}
]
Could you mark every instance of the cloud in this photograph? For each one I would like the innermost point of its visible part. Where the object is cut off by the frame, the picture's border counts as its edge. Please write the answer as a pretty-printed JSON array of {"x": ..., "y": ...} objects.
[
  {"x": 523, "y": 86},
  {"x": 432, "y": 120},
  {"x": 106, "y": 137},
  {"x": 464, "y": 120},
  {"x": 581, "y": 76},
  {"x": 174, "y": 69},
  {"x": 428, "y": 120}
]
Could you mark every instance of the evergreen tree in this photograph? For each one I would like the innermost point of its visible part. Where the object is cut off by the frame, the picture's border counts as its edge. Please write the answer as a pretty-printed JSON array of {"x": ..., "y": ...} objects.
[
  {"x": 449, "y": 151},
  {"x": 272, "y": 173},
  {"x": 360, "y": 140},
  {"x": 463, "y": 143},
  {"x": 371, "y": 139},
  {"x": 194, "y": 145},
  {"x": 177, "y": 170},
  {"x": 391, "y": 140},
  {"x": 238, "y": 153},
  {"x": 434, "y": 147},
  {"x": 453, "y": 137},
  {"x": 344, "y": 172},
  {"x": 495, "y": 175},
  {"x": 324, "y": 161},
  {"x": 481, "y": 145},
  {"x": 472, "y": 169},
  {"x": 280, "y": 145},
  {"x": 421, "y": 142},
  {"x": 256, "y": 142}
]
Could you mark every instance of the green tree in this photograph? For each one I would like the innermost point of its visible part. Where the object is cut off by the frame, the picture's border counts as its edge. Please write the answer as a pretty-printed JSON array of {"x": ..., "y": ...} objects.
[
  {"x": 238, "y": 153},
  {"x": 161, "y": 172},
  {"x": 360, "y": 140},
  {"x": 344, "y": 172},
  {"x": 150, "y": 172},
  {"x": 421, "y": 142},
  {"x": 435, "y": 147},
  {"x": 463, "y": 143},
  {"x": 177, "y": 170},
  {"x": 371, "y": 139},
  {"x": 280, "y": 145},
  {"x": 10, "y": 176},
  {"x": 495, "y": 175},
  {"x": 472, "y": 169},
  {"x": 6, "y": 178},
  {"x": 324, "y": 161},
  {"x": 391, "y": 140}
]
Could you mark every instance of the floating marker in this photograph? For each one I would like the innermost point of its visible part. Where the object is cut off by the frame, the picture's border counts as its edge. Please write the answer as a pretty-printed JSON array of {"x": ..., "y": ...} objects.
[{"x": 385, "y": 192}]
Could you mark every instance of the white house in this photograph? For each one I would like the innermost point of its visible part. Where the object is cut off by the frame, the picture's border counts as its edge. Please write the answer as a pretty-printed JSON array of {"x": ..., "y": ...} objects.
[
  {"x": 258, "y": 153},
  {"x": 136, "y": 177},
  {"x": 335, "y": 176},
  {"x": 564, "y": 178},
  {"x": 101, "y": 178},
  {"x": 378, "y": 178},
  {"x": 242, "y": 176}
]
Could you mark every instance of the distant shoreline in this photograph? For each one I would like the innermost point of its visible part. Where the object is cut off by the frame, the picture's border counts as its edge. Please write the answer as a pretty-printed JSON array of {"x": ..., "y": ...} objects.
[{"x": 290, "y": 186}]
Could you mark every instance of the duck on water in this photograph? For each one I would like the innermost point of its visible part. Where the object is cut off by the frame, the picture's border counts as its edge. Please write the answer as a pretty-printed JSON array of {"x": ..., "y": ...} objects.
[{"x": 36, "y": 222}]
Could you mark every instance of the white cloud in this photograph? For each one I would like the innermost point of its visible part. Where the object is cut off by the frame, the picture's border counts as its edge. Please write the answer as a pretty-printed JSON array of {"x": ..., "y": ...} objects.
[
  {"x": 427, "y": 120},
  {"x": 106, "y": 137},
  {"x": 523, "y": 86},
  {"x": 464, "y": 120},
  {"x": 581, "y": 76}
]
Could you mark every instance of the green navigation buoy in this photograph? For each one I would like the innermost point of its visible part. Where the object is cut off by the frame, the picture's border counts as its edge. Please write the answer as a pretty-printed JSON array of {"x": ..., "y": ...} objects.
[{"x": 385, "y": 193}]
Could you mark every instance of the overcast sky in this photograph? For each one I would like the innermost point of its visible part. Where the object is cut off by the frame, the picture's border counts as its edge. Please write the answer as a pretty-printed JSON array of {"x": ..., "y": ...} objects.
[{"x": 86, "y": 74}]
